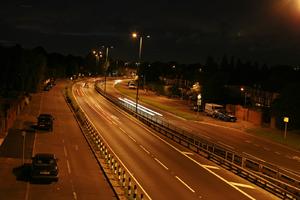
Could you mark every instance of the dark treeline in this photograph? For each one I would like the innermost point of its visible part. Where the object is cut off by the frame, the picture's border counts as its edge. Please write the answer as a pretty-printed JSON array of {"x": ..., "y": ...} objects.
[
  {"x": 25, "y": 70},
  {"x": 216, "y": 77}
]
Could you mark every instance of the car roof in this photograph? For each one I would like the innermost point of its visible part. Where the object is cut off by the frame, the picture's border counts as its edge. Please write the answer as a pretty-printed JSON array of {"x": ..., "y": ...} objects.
[
  {"x": 45, "y": 115},
  {"x": 45, "y": 155}
]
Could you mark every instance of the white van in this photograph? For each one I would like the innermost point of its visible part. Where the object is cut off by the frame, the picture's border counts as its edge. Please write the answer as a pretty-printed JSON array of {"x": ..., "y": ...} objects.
[{"x": 211, "y": 108}]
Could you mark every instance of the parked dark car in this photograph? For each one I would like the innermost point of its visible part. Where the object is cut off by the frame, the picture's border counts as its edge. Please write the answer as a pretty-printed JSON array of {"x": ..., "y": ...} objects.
[
  {"x": 222, "y": 115},
  {"x": 44, "y": 167},
  {"x": 45, "y": 122}
]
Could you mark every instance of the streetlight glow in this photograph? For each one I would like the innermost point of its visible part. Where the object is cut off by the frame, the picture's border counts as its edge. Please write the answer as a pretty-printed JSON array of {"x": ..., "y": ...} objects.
[{"x": 134, "y": 35}]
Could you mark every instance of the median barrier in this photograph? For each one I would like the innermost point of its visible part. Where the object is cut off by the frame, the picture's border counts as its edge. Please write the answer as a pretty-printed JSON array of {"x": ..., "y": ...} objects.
[{"x": 102, "y": 150}]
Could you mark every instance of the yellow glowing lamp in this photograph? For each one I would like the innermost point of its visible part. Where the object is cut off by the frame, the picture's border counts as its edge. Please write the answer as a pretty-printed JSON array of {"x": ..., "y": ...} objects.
[
  {"x": 286, "y": 119},
  {"x": 134, "y": 35}
]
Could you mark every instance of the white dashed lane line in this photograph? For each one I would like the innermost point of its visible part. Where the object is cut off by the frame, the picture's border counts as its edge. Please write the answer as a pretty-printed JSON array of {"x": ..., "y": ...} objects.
[
  {"x": 161, "y": 163},
  {"x": 75, "y": 195},
  {"x": 278, "y": 153},
  {"x": 122, "y": 130},
  {"x": 145, "y": 149},
  {"x": 132, "y": 138},
  {"x": 69, "y": 168},
  {"x": 65, "y": 152},
  {"x": 186, "y": 185}
]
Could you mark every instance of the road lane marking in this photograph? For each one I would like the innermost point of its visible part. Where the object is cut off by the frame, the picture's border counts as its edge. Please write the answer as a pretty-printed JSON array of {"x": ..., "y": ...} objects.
[
  {"x": 226, "y": 145},
  {"x": 161, "y": 163},
  {"x": 210, "y": 166},
  {"x": 187, "y": 153},
  {"x": 276, "y": 152},
  {"x": 122, "y": 130},
  {"x": 76, "y": 147},
  {"x": 75, "y": 195},
  {"x": 242, "y": 185},
  {"x": 115, "y": 123},
  {"x": 65, "y": 151},
  {"x": 248, "y": 141},
  {"x": 132, "y": 138},
  {"x": 148, "y": 196},
  {"x": 148, "y": 152},
  {"x": 221, "y": 178},
  {"x": 256, "y": 145},
  {"x": 68, "y": 165},
  {"x": 186, "y": 185}
]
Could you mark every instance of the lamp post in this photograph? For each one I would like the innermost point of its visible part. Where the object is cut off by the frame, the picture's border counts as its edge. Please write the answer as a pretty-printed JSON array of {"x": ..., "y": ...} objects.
[
  {"x": 106, "y": 66},
  {"x": 98, "y": 55},
  {"x": 23, "y": 151},
  {"x": 285, "y": 120},
  {"x": 245, "y": 96},
  {"x": 135, "y": 35}
]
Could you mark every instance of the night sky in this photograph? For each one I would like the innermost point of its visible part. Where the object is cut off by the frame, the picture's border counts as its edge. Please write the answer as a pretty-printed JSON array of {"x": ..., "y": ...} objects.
[{"x": 267, "y": 31}]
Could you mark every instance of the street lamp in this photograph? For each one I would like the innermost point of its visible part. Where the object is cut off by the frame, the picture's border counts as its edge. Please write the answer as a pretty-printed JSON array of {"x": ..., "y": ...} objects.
[
  {"x": 106, "y": 66},
  {"x": 245, "y": 95},
  {"x": 136, "y": 35},
  {"x": 98, "y": 55}
]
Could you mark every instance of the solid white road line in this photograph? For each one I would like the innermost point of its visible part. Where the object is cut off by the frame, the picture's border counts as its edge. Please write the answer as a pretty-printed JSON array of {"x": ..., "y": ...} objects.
[
  {"x": 187, "y": 153},
  {"x": 221, "y": 178},
  {"x": 242, "y": 185},
  {"x": 146, "y": 194},
  {"x": 210, "y": 166},
  {"x": 161, "y": 163},
  {"x": 186, "y": 185}
]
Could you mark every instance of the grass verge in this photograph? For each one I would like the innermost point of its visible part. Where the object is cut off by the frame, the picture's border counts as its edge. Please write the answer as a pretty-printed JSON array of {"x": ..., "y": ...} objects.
[{"x": 292, "y": 139}]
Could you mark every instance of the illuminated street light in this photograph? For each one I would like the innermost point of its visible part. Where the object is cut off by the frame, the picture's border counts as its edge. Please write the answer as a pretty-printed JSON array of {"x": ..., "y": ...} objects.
[
  {"x": 106, "y": 65},
  {"x": 245, "y": 95},
  {"x": 285, "y": 120},
  {"x": 136, "y": 35}
]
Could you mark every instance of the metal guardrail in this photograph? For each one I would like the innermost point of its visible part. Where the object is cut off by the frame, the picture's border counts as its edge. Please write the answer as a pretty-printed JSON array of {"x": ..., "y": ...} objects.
[
  {"x": 116, "y": 172},
  {"x": 278, "y": 181}
]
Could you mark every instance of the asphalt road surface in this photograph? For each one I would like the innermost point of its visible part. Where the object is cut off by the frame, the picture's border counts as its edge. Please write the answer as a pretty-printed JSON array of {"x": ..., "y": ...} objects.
[
  {"x": 80, "y": 176},
  {"x": 240, "y": 141},
  {"x": 164, "y": 169}
]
